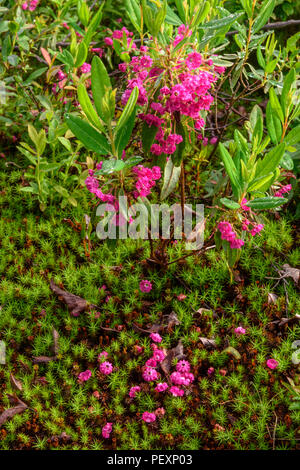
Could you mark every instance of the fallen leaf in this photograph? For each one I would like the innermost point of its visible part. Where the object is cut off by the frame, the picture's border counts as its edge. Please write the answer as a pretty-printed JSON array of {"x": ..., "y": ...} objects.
[
  {"x": 288, "y": 271},
  {"x": 11, "y": 412},
  {"x": 208, "y": 343},
  {"x": 272, "y": 298},
  {"x": 55, "y": 340},
  {"x": 154, "y": 329},
  {"x": 75, "y": 303},
  {"x": 172, "y": 320},
  {"x": 175, "y": 353},
  {"x": 15, "y": 383},
  {"x": 233, "y": 352},
  {"x": 43, "y": 359}
]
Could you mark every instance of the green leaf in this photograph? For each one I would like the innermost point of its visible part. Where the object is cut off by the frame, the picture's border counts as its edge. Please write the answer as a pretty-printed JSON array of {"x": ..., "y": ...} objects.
[
  {"x": 230, "y": 168},
  {"x": 229, "y": 203},
  {"x": 201, "y": 14},
  {"x": 263, "y": 16},
  {"x": 101, "y": 86},
  {"x": 37, "y": 73},
  {"x": 88, "y": 135},
  {"x": 273, "y": 124},
  {"x": 81, "y": 54},
  {"x": 148, "y": 136},
  {"x": 276, "y": 105},
  {"x": 66, "y": 58},
  {"x": 285, "y": 98},
  {"x": 220, "y": 23},
  {"x": 134, "y": 13},
  {"x": 270, "y": 161},
  {"x": 293, "y": 137},
  {"x": 171, "y": 178},
  {"x": 287, "y": 162},
  {"x": 126, "y": 122},
  {"x": 172, "y": 18},
  {"x": 110, "y": 166},
  {"x": 132, "y": 161},
  {"x": 257, "y": 183},
  {"x": 93, "y": 25},
  {"x": 256, "y": 120},
  {"x": 87, "y": 107},
  {"x": 266, "y": 202}
]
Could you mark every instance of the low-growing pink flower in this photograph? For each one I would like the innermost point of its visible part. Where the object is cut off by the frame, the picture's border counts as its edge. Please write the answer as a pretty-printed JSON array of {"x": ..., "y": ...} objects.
[
  {"x": 176, "y": 391},
  {"x": 134, "y": 390},
  {"x": 145, "y": 286},
  {"x": 106, "y": 430},
  {"x": 161, "y": 387},
  {"x": 272, "y": 363},
  {"x": 148, "y": 417},
  {"x": 84, "y": 376},
  {"x": 156, "y": 337},
  {"x": 240, "y": 331},
  {"x": 106, "y": 368}
]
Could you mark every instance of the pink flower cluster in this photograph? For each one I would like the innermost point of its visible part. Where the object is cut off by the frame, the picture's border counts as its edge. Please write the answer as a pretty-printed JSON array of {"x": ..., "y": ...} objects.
[
  {"x": 84, "y": 376},
  {"x": 182, "y": 376},
  {"x": 146, "y": 178},
  {"x": 272, "y": 363},
  {"x": 134, "y": 390},
  {"x": 31, "y": 6},
  {"x": 148, "y": 417},
  {"x": 187, "y": 93},
  {"x": 227, "y": 233},
  {"x": 119, "y": 34},
  {"x": 106, "y": 368},
  {"x": 85, "y": 68},
  {"x": 145, "y": 286},
  {"x": 283, "y": 190},
  {"x": 255, "y": 228},
  {"x": 150, "y": 374},
  {"x": 240, "y": 331},
  {"x": 106, "y": 430}
]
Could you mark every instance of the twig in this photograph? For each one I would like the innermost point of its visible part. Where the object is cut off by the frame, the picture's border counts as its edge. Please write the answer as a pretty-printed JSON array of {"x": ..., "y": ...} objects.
[{"x": 278, "y": 25}]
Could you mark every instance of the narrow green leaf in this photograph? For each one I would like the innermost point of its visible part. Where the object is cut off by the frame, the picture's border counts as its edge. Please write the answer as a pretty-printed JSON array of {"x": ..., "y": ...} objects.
[
  {"x": 101, "y": 86},
  {"x": 263, "y": 16},
  {"x": 266, "y": 202},
  {"x": 276, "y": 105},
  {"x": 87, "y": 107},
  {"x": 229, "y": 203},
  {"x": 88, "y": 135},
  {"x": 271, "y": 160}
]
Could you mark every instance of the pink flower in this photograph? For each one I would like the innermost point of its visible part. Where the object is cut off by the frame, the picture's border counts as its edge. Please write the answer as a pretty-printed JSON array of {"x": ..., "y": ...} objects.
[
  {"x": 106, "y": 430},
  {"x": 145, "y": 286},
  {"x": 156, "y": 337},
  {"x": 151, "y": 362},
  {"x": 150, "y": 374},
  {"x": 84, "y": 376},
  {"x": 85, "y": 68},
  {"x": 148, "y": 417},
  {"x": 176, "y": 391},
  {"x": 108, "y": 41},
  {"x": 159, "y": 412},
  {"x": 181, "y": 297},
  {"x": 158, "y": 355},
  {"x": 133, "y": 391},
  {"x": 210, "y": 370},
  {"x": 240, "y": 331},
  {"x": 24, "y": 6},
  {"x": 272, "y": 363},
  {"x": 243, "y": 204},
  {"x": 223, "y": 372},
  {"x": 106, "y": 368},
  {"x": 161, "y": 387},
  {"x": 103, "y": 354},
  {"x": 183, "y": 366}
]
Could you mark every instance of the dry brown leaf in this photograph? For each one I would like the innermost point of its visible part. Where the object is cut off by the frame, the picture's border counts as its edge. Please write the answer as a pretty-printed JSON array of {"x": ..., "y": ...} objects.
[
  {"x": 55, "y": 340},
  {"x": 272, "y": 298},
  {"x": 177, "y": 353},
  {"x": 75, "y": 303},
  {"x": 208, "y": 343},
  {"x": 11, "y": 412},
  {"x": 43, "y": 359},
  {"x": 15, "y": 383},
  {"x": 288, "y": 271}
]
